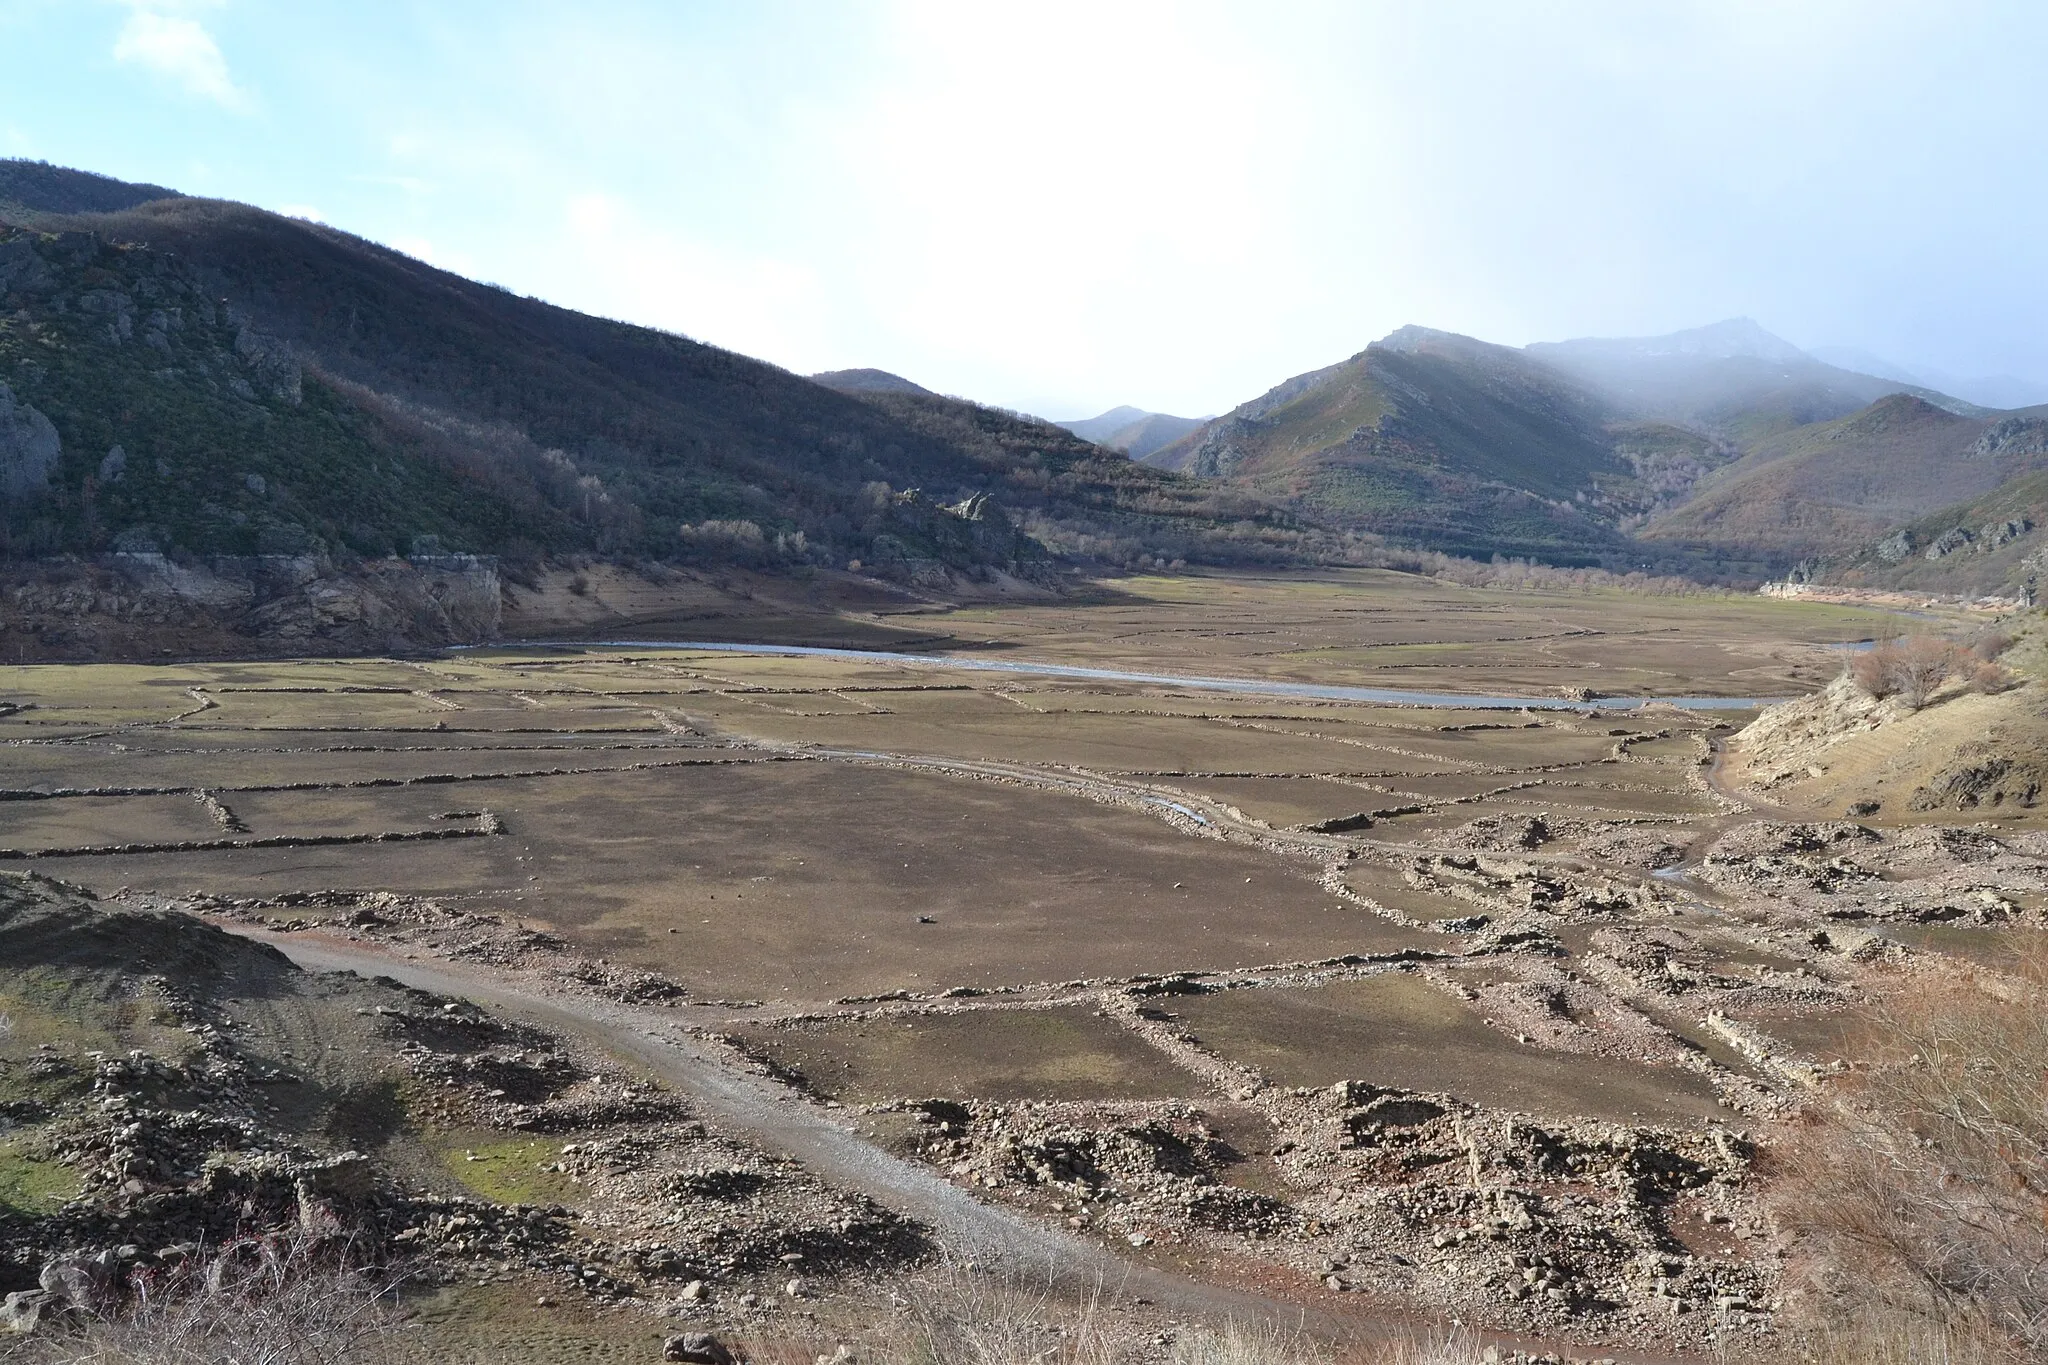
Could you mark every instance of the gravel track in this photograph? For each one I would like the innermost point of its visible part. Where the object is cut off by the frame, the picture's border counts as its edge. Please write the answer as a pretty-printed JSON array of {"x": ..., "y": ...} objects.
[{"x": 769, "y": 1116}]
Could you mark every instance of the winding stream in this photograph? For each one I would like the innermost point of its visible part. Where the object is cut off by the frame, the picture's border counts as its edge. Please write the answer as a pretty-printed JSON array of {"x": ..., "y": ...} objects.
[{"x": 1388, "y": 696}]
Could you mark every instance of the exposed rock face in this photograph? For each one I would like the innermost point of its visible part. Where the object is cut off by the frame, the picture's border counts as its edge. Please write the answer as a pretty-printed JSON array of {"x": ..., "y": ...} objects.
[
  {"x": 2002, "y": 533},
  {"x": 29, "y": 447},
  {"x": 125, "y": 602},
  {"x": 1948, "y": 543},
  {"x": 1978, "y": 779},
  {"x": 2014, "y": 436}
]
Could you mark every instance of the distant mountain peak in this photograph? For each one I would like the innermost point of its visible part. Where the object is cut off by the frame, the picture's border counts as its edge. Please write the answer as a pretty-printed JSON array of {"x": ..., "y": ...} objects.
[
  {"x": 1120, "y": 416},
  {"x": 866, "y": 381},
  {"x": 1137, "y": 432},
  {"x": 1413, "y": 337},
  {"x": 1414, "y": 340},
  {"x": 1730, "y": 339}
]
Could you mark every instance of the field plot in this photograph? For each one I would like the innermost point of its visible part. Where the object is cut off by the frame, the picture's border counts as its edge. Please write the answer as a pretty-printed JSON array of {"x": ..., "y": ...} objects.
[
  {"x": 95, "y": 821},
  {"x": 1053, "y": 926},
  {"x": 1064, "y": 1053},
  {"x": 1372, "y": 628},
  {"x": 1396, "y": 1029},
  {"x": 812, "y": 880}
]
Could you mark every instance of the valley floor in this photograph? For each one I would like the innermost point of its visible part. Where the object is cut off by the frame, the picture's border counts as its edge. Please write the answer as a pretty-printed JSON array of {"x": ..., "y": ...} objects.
[{"x": 1373, "y": 1018}]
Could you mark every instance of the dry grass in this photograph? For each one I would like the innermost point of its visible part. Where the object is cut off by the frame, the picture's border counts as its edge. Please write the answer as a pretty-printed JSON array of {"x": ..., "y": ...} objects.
[
  {"x": 1921, "y": 1194},
  {"x": 258, "y": 1301},
  {"x": 954, "y": 1315},
  {"x": 1895, "y": 1340}
]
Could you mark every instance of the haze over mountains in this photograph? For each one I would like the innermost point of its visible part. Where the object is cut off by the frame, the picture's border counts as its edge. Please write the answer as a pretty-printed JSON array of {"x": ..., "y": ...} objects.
[
  {"x": 196, "y": 376},
  {"x": 1134, "y": 431},
  {"x": 1722, "y": 449},
  {"x": 1991, "y": 391}
]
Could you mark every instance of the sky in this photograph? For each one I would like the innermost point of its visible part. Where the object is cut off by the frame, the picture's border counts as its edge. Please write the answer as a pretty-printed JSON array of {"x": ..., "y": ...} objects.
[{"x": 1060, "y": 207}]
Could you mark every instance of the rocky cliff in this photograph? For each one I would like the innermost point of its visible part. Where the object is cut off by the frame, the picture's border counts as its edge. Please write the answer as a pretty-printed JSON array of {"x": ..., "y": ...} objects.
[{"x": 144, "y": 604}]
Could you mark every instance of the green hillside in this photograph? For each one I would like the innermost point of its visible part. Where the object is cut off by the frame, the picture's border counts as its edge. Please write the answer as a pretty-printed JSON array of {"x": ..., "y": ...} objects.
[
  {"x": 1432, "y": 438},
  {"x": 168, "y": 423},
  {"x": 205, "y": 377},
  {"x": 1724, "y": 451},
  {"x": 1995, "y": 543},
  {"x": 1831, "y": 488}
]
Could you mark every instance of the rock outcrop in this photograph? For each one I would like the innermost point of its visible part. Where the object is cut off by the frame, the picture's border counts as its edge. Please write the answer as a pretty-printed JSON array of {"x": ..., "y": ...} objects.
[
  {"x": 143, "y": 603},
  {"x": 29, "y": 447}
]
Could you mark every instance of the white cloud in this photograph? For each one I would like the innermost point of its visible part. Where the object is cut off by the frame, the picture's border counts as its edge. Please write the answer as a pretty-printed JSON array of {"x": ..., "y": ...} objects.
[
  {"x": 177, "y": 47},
  {"x": 622, "y": 266}
]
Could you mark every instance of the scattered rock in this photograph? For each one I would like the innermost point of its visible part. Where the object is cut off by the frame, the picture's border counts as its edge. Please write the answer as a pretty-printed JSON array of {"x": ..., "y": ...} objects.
[{"x": 696, "y": 1348}]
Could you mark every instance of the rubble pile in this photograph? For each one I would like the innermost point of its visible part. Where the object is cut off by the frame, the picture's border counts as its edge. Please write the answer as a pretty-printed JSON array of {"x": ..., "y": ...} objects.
[
  {"x": 233, "y": 1135},
  {"x": 1806, "y": 873},
  {"x": 1525, "y": 1221},
  {"x": 1119, "y": 1166},
  {"x": 1528, "y": 1223},
  {"x": 422, "y": 923}
]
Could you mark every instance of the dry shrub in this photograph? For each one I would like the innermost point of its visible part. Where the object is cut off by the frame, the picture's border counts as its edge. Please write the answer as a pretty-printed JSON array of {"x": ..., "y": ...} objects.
[
  {"x": 1910, "y": 669},
  {"x": 1991, "y": 644},
  {"x": 963, "y": 1317},
  {"x": 1455, "y": 1348},
  {"x": 1990, "y": 678},
  {"x": 1238, "y": 1344},
  {"x": 1920, "y": 1192},
  {"x": 285, "y": 1300}
]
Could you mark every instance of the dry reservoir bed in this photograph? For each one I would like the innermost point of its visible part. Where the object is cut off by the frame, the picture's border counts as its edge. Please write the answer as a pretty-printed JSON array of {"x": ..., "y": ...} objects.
[{"x": 1306, "y": 985}]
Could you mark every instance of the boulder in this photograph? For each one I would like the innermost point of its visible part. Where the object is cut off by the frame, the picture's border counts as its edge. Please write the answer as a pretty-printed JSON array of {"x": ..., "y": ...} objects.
[
  {"x": 29, "y": 447},
  {"x": 696, "y": 1348},
  {"x": 22, "y": 1311},
  {"x": 84, "y": 1281}
]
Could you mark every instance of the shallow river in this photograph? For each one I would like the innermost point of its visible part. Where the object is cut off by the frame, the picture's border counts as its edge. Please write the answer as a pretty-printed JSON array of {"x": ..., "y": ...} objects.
[{"x": 1254, "y": 686}]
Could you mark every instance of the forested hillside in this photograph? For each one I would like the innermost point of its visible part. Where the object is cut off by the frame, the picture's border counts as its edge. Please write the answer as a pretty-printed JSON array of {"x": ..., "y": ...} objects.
[{"x": 389, "y": 403}]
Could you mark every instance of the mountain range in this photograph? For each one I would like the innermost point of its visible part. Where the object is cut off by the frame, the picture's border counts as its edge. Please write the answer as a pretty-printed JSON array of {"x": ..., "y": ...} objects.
[
  {"x": 1723, "y": 451},
  {"x": 1134, "y": 431},
  {"x": 198, "y": 377}
]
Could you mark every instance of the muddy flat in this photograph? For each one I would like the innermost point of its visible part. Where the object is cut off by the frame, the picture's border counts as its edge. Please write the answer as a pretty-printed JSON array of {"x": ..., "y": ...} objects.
[
  {"x": 1065, "y": 1053},
  {"x": 1395, "y": 1029}
]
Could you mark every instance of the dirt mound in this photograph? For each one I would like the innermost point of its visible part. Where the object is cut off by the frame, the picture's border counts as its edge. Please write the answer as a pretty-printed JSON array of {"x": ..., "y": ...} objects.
[
  {"x": 65, "y": 928},
  {"x": 1841, "y": 752}
]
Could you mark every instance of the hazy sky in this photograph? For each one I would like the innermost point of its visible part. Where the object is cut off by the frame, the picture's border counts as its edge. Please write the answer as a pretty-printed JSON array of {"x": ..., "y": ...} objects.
[{"x": 1059, "y": 207}]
